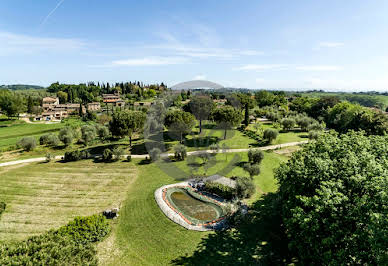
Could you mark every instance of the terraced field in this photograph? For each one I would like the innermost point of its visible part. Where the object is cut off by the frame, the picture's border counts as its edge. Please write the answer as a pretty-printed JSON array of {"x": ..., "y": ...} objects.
[{"x": 44, "y": 196}]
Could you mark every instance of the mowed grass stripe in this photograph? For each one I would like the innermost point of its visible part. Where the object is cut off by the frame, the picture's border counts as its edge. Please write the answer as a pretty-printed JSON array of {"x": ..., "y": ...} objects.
[{"x": 43, "y": 196}]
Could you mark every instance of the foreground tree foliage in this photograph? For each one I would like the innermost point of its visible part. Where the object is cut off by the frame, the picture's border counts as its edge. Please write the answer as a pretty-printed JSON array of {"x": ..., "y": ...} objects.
[
  {"x": 72, "y": 244},
  {"x": 334, "y": 195}
]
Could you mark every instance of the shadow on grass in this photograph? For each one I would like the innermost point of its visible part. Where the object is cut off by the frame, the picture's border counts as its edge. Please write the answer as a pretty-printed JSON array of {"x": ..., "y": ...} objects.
[
  {"x": 258, "y": 239},
  {"x": 200, "y": 142}
]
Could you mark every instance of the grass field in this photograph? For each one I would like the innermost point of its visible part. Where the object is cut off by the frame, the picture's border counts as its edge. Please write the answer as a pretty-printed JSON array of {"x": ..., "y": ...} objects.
[
  {"x": 144, "y": 236},
  {"x": 11, "y": 133},
  {"x": 41, "y": 196}
]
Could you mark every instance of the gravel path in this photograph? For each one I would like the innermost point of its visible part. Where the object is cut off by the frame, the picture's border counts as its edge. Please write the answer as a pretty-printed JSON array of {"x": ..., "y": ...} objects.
[{"x": 143, "y": 156}]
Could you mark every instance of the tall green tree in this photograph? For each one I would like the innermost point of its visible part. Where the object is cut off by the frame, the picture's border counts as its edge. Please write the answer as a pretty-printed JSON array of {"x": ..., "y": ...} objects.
[
  {"x": 227, "y": 117},
  {"x": 179, "y": 122},
  {"x": 12, "y": 104},
  {"x": 126, "y": 123},
  {"x": 201, "y": 107}
]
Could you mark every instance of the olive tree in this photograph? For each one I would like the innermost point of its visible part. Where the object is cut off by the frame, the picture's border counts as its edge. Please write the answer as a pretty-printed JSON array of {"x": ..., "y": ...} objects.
[
  {"x": 334, "y": 200},
  {"x": 270, "y": 134},
  {"x": 288, "y": 123},
  {"x": 27, "y": 143},
  {"x": 255, "y": 156}
]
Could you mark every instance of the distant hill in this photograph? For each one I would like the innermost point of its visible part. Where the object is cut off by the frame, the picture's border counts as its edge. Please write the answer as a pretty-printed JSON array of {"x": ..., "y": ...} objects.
[{"x": 21, "y": 87}]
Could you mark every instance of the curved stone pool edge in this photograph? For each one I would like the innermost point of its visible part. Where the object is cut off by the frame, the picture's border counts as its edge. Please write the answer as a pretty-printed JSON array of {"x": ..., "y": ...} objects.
[{"x": 175, "y": 217}]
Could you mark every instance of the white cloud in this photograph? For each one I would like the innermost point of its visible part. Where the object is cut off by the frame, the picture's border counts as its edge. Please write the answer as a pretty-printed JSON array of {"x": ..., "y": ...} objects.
[
  {"x": 200, "y": 77},
  {"x": 256, "y": 67},
  {"x": 205, "y": 48},
  {"x": 19, "y": 44},
  {"x": 150, "y": 61},
  {"x": 319, "y": 68}
]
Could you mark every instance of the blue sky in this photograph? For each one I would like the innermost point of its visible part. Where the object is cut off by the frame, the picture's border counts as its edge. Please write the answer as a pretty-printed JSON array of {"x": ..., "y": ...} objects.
[{"x": 334, "y": 45}]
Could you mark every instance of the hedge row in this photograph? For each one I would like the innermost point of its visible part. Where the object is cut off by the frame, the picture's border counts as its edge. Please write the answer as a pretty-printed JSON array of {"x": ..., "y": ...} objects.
[
  {"x": 72, "y": 244},
  {"x": 220, "y": 190},
  {"x": 245, "y": 188}
]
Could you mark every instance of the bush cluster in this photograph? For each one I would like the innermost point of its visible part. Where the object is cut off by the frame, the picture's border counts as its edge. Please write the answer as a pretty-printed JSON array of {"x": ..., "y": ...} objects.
[
  {"x": 76, "y": 155},
  {"x": 72, "y": 244},
  {"x": 220, "y": 190},
  {"x": 244, "y": 189}
]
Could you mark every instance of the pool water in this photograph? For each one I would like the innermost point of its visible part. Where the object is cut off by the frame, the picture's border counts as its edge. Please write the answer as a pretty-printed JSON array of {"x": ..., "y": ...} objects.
[{"x": 195, "y": 208}]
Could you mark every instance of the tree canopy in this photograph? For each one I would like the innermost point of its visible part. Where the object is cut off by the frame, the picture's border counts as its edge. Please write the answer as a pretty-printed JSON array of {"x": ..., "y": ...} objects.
[
  {"x": 126, "y": 123},
  {"x": 201, "y": 107},
  {"x": 179, "y": 122},
  {"x": 334, "y": 195},
  {"x": 227, "y": 117}
]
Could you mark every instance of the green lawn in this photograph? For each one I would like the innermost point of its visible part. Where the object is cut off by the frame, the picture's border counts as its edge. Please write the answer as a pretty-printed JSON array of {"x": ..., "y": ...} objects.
[
  {"x": 144, "y": 236},
  {"x": 11, "y": 133},
  {"x": 42, "y": 196}
]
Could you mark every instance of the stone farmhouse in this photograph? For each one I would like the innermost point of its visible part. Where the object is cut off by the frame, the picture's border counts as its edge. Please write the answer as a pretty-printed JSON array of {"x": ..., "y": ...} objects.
[
  {"x": 53, "y": 110},
  {"x": 113, "y": 99}
]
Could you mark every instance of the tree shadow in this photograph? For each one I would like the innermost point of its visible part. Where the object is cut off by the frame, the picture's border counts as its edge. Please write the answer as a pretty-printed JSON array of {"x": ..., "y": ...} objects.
[
  {"x": 201, "y": 142},
  {"x": 257, "y": 239}
]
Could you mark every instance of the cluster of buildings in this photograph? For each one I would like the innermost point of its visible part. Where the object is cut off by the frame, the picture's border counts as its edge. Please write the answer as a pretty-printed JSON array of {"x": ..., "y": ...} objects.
[{"x": 53, "y": 110}]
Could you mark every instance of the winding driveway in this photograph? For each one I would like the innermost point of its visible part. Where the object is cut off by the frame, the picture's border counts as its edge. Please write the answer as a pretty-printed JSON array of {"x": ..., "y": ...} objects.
[{"x": 143, "y": 156}]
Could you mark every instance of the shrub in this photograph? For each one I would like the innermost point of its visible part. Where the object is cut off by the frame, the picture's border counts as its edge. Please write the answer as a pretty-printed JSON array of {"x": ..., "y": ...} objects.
[
  {"x": 180, "y": 152},
  {"x": 88, "y": 134},
  {"x": 255, "y": 156},
  {"x": 214, "y": 147},
  {"x": 155, "y": 154},
  {"x": 270, "y": 134},
  {"x": 49, "y": 157},
  {"x": 252, "y": 169},
  {"x": 245, "y": 187},
  {"x": 117, "y": 153},
  {"x": 288, "y": 123},
  {"x": 220, "y": 190},
  {"x": 52, "y": 140},
  {"x": 313, "y": 134},
  {"x": 102, "y": 132},
  {"x": 66, "y": 135},
  {"x": 305, "y": 122},
  {"x": 76, "y": 155},
  {"x": 72, "y": 244},
  {"x": 107, "y": 155},
  {"x": 85, "y": 230},
  {"x": 316, "y": 126},
  {"x": 27, "y": 143},
  {"x": 2, "y": 208},
  {"x": 43, "y": 139}
]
